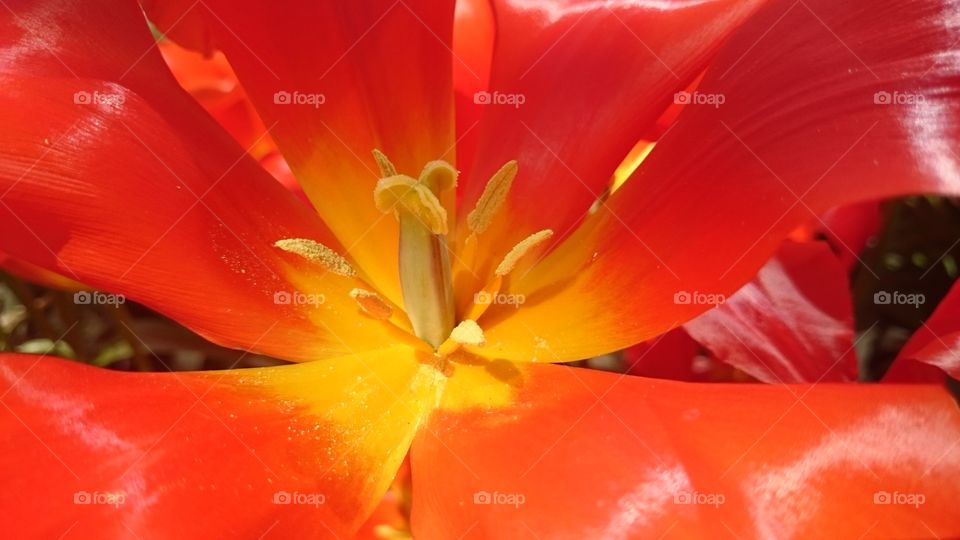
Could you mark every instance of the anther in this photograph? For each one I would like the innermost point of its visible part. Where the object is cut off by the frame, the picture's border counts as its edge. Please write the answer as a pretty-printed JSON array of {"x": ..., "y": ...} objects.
[
  {"x": 520, "y": 250},
  {"x": 318, "y": 253},
  {"x": 493, "y": 197},
  {"x": 468, "y": 332},
  {"x": 371, "y": 304},
  {"x": 386, "y": 167}
]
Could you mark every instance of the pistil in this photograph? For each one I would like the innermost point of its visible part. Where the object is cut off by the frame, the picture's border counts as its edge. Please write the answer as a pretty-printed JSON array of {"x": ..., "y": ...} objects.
[{"x": 424, "y": 261}]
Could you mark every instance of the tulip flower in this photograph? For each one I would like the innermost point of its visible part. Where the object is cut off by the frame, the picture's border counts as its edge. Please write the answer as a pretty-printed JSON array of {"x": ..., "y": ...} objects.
[{"x": 454, "y": 255}]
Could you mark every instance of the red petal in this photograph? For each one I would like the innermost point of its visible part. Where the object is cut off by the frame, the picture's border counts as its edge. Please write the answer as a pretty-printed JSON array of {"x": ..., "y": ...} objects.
[
  {"x": 904, "y": 370},
  {"x": 793, "y": 323},
  {"x": 474, "y": 31},
  {"x": 678, "y": 357},
  {"x": 847, "y": 229},
  {"x": 799, "y": 132},
  {"x": 937, "y": 342},
  {"x": 213, "y": 84},
  {"x": 593, "y": 80},
  {"x": 595, "y": 455},
  {"x": 133, "y": 189},
  {"x": 206, "y": 454},
  {"x": 181, "y": 21},
  {"x": 383, "y": 69}
]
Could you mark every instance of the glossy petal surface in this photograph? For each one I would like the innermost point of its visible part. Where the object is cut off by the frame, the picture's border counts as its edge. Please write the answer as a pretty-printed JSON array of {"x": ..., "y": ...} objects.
[
  {"x": 296, "y": 450},
  {"x": 586, "y": 454}
]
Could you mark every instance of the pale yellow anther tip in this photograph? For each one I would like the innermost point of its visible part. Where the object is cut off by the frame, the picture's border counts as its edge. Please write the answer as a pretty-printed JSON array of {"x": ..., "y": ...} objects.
[
  {"x": 371, "y": 304},
  {"x": 383, "y": 162},
  {"x": 439, "y": 176},
  {"x": 494, "y": 195},
  {"x": 468, "y": 332},
  {"x": 318, "y": 253},
  {"x": 520, "y": 250}
]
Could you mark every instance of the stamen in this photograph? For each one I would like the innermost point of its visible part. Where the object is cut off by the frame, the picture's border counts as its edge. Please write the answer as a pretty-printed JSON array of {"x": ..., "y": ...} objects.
[
  {"x": 386, "y": 167},
  {"x": 371, "y": 304},
  {"x": 493, "y": 197},
  {"x": 522, "y": 248},
  {"x": 318, "y": 253},
  {"x": 402, "y": 192},
  {"x": 468, "y": 332}
]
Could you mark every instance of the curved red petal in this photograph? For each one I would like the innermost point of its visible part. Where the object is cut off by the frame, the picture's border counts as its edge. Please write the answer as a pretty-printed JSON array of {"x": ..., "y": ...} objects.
[
  {"x": 586, "y": 454},
  {"x": 847, "y": 229},
  {"x": 288, "y": 451},
  {"x": 937, "y": 342},
  {"x": 573, "y": 87},
  {"x": 840, "y": 102},
  {"x": 793, "y": 323},
  {"x": 904, "y": 370},
  {"x": 112, "y": 176}
]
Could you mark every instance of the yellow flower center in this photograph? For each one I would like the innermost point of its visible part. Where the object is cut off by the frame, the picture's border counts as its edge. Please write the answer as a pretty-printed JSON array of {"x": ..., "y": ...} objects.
[{"x": 424, "y": 255}]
